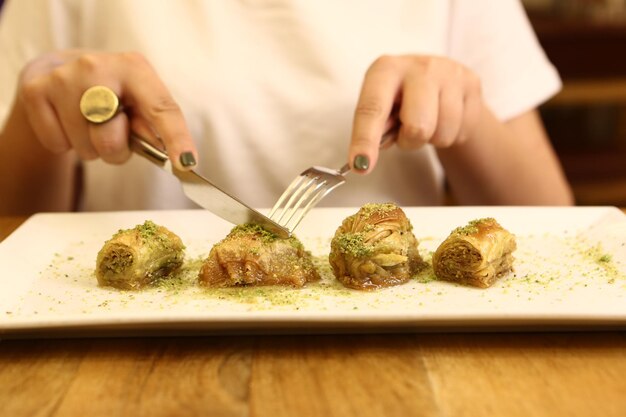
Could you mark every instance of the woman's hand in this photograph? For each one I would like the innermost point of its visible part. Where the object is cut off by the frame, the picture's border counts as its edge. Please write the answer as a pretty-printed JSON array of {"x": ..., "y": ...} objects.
[
  {"x": 437, "y": 101},
  {"x": 50, "y": 90}
]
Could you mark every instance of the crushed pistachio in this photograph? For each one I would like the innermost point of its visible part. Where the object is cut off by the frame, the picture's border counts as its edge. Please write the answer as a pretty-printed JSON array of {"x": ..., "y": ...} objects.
[
  {"x": 472, "y": 226},
  {"x": 425, "y": 274},
  {"x": 147, "y": 230},
  {"x": 263, "y": 235},
  {"x": 353, "y": 244},
  {"x": 369, "y": 209},
  {"x": 253, "y": 229}
]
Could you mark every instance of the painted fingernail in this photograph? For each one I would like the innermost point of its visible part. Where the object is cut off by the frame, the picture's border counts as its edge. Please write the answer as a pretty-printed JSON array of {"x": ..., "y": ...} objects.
[
  {"x": 361, "y": 162},
  {"x": 187, "y": 159}
]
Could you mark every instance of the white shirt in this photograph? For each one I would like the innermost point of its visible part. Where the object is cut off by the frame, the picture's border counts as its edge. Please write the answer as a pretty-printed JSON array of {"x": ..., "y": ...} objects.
[{"x": 268, "y": 87}]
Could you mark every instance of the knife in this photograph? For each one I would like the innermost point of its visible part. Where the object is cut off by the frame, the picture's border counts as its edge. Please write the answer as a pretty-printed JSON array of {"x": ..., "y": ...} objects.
[{"x": 204, "y": 193}]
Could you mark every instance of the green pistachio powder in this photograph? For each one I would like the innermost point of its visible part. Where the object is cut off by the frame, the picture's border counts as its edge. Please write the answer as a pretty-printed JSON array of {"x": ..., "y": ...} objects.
[
  {"x": 262, "y": 234},
  {"x": 471, "y": 227},
  {"x": 351, "y": 243}
]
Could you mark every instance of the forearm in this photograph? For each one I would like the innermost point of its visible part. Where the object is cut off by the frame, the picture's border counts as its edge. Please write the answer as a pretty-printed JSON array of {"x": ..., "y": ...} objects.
[
  {"x": 33, "y": 179},
  {"x": 506, "y": 164}
]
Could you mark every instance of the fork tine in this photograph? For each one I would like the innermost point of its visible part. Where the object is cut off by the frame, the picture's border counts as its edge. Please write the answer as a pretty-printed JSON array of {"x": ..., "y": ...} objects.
[
  {"x": 320, "y": 193},
  {"x": 308, "y": 185},
  {"x": 287, "y": 194},
  {"x": 323, "y": 192},
  {"x": 307, "y": 189},
  {"x": 306, "y": 194},
  {"x": 311, "y": 197}
]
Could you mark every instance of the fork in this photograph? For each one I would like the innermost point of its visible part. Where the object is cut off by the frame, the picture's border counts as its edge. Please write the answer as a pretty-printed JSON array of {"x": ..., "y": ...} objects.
[{"x": 308, "y": 189}]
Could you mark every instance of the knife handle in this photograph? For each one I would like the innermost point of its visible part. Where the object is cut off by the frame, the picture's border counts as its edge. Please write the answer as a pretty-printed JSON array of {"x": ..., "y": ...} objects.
[{"x": 143, "y": 148}]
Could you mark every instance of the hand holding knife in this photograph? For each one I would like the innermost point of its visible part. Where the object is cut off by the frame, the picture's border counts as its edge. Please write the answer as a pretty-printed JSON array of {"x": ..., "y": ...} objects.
[
  {"x": 204, "y": 193},
  {"x": 100, "y": 104}
]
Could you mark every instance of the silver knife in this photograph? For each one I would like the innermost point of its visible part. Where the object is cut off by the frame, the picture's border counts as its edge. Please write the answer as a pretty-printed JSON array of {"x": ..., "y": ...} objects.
[{"x": 204, "y": 193}]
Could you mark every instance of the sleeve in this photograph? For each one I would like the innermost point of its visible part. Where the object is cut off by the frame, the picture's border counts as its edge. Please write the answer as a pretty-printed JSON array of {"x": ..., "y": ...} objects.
[
  {"x": 495, "y": 39},
  {"x": 29, "y": 28}
]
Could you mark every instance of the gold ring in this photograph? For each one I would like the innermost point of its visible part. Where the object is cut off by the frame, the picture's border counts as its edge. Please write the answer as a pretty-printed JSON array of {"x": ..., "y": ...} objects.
[{"x": 99, "y": 104}]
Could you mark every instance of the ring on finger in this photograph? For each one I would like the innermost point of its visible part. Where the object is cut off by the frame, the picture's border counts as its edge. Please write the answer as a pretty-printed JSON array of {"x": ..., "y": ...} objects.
[{"x": 99, "y": 104}]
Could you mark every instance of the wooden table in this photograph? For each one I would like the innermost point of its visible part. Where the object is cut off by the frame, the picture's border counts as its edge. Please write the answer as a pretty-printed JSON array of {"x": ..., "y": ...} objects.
[{"x": 497, "y": 374}]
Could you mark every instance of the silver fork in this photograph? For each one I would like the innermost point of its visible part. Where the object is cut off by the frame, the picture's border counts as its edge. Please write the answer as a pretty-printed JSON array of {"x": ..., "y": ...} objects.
[{"x": 308, "y": 189}]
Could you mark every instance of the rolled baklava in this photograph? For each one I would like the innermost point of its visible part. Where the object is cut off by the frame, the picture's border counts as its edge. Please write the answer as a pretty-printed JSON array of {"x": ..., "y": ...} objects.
[
  {"x": 476, "y": 254},
  {"x": 375, "y": 248},
  {"x": 251, "y": 255},
  {"x": 134, "y": 258}
]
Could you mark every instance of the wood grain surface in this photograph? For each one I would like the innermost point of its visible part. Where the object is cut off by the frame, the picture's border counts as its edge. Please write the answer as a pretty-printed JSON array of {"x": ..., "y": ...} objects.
[{"x": 484, "y": 374}]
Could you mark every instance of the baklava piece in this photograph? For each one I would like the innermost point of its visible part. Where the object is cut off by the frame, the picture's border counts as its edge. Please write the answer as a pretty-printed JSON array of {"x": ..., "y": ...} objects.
[
  {"x": 137, "y": 257},
  {"x": 251, "y": 255},
  {"x": 375, "y": 248},
  {"x": 476, "y": 254}
]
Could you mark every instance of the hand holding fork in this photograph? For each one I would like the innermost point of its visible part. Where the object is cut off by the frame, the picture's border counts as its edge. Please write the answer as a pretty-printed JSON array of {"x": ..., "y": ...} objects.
[{"x": 308, "y": 189}]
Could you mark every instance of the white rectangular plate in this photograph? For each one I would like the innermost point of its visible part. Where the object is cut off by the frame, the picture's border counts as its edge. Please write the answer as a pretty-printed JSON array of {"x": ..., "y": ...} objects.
[{"x": 570, "y": 272}]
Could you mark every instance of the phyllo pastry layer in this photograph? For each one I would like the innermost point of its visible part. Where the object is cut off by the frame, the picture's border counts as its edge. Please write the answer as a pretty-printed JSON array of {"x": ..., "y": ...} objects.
[
  {"x": 375, "y": 248},
  {"x": 134, "y": 258},
  {"x": 251, "y": 255},
  {"x": 476, "y": 254}
]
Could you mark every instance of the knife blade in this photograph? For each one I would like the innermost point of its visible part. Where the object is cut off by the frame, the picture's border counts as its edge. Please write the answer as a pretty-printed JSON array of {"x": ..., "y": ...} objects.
[{"x": 204, "y": 193}]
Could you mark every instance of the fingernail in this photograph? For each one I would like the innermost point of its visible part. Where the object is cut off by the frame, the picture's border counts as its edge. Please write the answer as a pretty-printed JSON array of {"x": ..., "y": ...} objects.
[
  {"x": 361, "y": 162},
  {"x": 187, "y": 159}
]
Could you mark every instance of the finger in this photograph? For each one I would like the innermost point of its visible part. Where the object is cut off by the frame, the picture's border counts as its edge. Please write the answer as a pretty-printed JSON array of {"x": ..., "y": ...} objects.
[
  {"x": 378, "y": 94},
  {"x": 77, "y": 132},
  {"x": 144, "y": 130},
  {"x": 419, "y": 110},
  {"x": 43, "y": 119},
  {"x": 65, "y": 96},
  {"x": 110, "y": 139},
  {"x": 450, "y": 117},
  {"x": 472, "y": 110},
  {"x": 391, "y": 129},
  {"x": 150, "y": 99}
]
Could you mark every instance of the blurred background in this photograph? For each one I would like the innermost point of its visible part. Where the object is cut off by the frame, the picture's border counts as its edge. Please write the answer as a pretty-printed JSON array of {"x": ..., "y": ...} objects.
[{"x": 586, "y": 121}]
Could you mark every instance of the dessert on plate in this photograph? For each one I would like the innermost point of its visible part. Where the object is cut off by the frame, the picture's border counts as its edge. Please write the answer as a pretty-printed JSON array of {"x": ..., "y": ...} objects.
[
  {"x": 375, "y": 248},
  {"x": 251, "y": 255},
  {"x": 476, "y": 254},
  {"x": 134, "y": 258}
]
